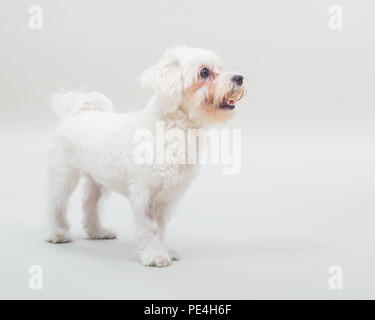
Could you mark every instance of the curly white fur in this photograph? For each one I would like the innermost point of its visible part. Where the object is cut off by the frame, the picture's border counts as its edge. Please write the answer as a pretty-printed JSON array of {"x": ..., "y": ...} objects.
[{"x": 94, "y": 142}]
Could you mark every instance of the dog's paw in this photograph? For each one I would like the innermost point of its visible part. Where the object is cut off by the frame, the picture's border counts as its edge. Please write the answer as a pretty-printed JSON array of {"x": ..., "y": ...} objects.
[
  {"x": 101, "y": 233},
  {"x": 173, "y": 255},
  {"x": 155, "y": 258},
  {"x": 59, "y": 236}
]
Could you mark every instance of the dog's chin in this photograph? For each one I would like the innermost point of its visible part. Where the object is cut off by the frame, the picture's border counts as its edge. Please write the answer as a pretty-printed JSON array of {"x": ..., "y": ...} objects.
[
  {"x": 212, "y": 114},
  {"x": 224, "y": 112}
]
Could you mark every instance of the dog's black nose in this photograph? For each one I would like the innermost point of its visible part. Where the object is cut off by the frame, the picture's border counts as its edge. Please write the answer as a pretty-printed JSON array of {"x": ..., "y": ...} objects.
[{"x": 237, "y": 79}]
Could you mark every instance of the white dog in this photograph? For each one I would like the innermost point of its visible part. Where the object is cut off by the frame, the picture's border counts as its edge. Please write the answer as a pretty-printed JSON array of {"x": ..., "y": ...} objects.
[{"x": 190, "y": 91}]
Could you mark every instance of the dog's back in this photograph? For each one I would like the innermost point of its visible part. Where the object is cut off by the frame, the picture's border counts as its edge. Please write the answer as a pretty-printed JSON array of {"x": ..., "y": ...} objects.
[{"x": 66, "y": 104}]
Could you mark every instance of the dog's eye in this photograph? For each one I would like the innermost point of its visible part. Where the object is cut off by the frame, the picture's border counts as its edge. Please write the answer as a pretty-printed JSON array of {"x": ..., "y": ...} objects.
[{"x": 205, "y": 73}]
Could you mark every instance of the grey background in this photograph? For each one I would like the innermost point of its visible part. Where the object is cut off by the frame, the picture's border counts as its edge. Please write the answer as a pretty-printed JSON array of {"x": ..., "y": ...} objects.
[{"x": 304, "y": 199}]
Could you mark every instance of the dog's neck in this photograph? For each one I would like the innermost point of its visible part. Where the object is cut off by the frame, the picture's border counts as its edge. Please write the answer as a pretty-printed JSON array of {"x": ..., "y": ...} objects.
[{"x": 178, "y": 118}]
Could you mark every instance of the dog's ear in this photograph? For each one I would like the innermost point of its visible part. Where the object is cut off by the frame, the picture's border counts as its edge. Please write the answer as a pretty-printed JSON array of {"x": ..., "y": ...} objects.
[{"x": 166, "y": 79}]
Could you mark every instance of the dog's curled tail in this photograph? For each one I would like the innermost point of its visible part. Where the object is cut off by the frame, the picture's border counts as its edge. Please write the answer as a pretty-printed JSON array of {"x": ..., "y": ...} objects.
[{"x": 66, "y": 104}]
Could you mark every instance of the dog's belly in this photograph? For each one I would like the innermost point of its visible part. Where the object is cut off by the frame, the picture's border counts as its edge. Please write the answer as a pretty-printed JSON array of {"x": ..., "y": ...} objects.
[
  {"x": 120, "y": 186},
  {"x": 159, "y": 180},
  {"x": 103, "y": 149},
  {"x": 115, "y": 172}
]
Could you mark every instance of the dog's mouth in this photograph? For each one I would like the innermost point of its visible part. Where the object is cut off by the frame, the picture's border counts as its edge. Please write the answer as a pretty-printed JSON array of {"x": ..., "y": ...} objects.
[
  {"x": 229, "y": 100},
  {"x": 227, "y": 104}
]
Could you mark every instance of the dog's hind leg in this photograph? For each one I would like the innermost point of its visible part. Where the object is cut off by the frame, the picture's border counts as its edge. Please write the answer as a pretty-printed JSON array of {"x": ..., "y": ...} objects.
[
  {"x": 62, "y": 182},
  {"x": 92, "y": 197}
]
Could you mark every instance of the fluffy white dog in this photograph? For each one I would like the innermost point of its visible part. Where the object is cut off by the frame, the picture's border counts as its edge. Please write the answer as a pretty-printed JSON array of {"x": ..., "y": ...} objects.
[{"x": 190, "y": 91}]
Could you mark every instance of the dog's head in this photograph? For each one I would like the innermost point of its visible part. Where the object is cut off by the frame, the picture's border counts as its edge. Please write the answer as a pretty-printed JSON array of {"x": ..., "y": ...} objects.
[{"x": 192, "y": 79}]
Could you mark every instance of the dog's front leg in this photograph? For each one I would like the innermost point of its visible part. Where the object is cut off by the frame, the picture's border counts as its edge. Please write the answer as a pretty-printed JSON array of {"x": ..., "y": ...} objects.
[
  {"x": 148, "y": 231},
  {"x": 163, "y": 210}
]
